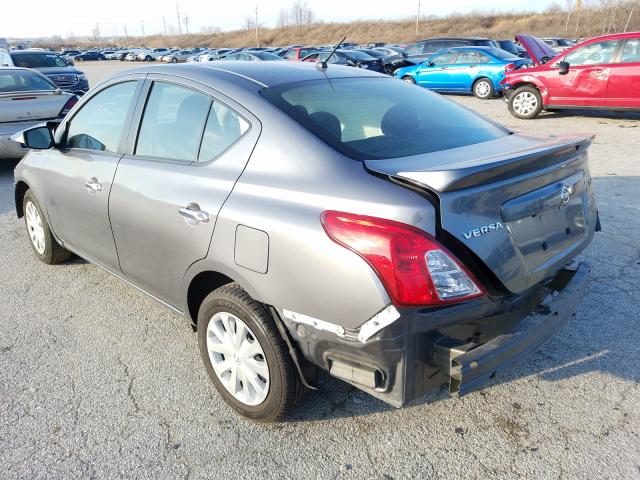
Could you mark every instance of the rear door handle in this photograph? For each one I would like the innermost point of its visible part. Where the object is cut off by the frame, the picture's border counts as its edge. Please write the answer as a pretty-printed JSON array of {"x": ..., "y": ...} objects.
[
  {"x": 193, "y": 214},
  {"x": 93, "y": 186}
]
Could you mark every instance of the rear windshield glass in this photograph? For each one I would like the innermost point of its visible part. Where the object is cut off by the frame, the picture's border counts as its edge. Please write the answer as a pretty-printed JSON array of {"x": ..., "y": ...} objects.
[
  {"x": 380, "y": 118},
  {"x": 23, "y": 81},
  {"x": 37, "y": 60}
]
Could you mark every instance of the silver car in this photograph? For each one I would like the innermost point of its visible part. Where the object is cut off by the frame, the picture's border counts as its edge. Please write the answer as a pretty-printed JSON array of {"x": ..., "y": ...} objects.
[
  {"x": 306, "y": 218},
  {"x": 27, "y": 98}
]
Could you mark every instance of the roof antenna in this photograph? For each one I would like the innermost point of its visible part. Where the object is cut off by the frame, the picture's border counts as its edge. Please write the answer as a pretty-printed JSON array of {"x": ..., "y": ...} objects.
[{"x": 322, "y": 65}]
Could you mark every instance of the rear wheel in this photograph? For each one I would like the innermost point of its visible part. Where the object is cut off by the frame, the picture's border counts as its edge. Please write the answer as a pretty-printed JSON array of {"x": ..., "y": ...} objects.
[
  {"x": 246, "y": 358},
  {"x": 483, "y": 88},
  {"x": 148, "y": 58},
  {"x": 44, "y": 245},
  {"x": 525, "y": 102},
  {"x": 174, "y": 60},
  {"x": 409, "y": 79}
]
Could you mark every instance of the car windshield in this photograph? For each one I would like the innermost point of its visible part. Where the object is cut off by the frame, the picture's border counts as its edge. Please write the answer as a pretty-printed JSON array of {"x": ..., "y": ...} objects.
[
  {"x": 564, "y": 43},
  {"x": 266, "y": 56},
  {"x": 484, "y": 43},
  {"x": 37, "y": 60},
  {"x": 360, "y": 56},
  {"x": 23, "y": 81},
  {"x": 380, "y": 118},
  {"x": 502, "y": 54}
]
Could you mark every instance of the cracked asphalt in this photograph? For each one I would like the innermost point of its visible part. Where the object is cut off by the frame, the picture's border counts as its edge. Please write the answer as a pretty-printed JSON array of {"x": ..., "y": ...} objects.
[{"x": 98, "y": 381}]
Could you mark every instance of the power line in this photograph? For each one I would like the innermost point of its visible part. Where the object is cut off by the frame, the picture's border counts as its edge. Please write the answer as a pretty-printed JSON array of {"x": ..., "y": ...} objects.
[{"x": 186, "y": 24}]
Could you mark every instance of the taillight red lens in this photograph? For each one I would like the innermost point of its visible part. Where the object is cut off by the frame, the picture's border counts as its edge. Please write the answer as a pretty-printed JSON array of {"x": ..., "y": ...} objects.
[
  {"x": 68, "y": 106},
  {"x": 414, "y": 268},
  {"x": 509, "y": 67}
]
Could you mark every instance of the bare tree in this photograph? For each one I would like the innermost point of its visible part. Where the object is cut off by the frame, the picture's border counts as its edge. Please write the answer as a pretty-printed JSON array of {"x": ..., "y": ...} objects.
[
  {"x": 301, "y": 13},
  {"x": 569, "y": 4},
  {"x": 284, "y": 17},
  {"x": 250, "y": 22}
]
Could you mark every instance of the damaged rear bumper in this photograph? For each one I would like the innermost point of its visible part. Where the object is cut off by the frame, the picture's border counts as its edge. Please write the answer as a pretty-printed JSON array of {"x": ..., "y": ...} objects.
[{"x": 463, "y": 345}]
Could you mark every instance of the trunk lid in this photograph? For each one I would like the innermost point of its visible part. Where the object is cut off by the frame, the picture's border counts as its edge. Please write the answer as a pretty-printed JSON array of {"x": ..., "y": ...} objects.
[
  {"x": 524, "y": 206},
  {"x": 31, "y": 106},
  {"x": 537, "y": 49}
]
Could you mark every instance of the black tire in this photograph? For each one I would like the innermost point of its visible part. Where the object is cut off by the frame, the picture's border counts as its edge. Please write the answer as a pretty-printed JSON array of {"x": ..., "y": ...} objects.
[
  {"x": 409, "y": 79},
  {"x": 148, "y": 58},
  {"x": 53, "y": 253},
  {"x": 483, "y": 88},
  {"x": 174, "y": 60},
  {"x": 285, "y": 386},
  {"x": 519, "y": 95}
]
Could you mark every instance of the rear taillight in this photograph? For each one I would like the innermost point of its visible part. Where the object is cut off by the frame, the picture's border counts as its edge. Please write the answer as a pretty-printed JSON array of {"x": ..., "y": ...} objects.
[
  {"x": 509, "y": 67},
  {"x": 414, "y": 268},
  {"x": 68, "y": 106}
]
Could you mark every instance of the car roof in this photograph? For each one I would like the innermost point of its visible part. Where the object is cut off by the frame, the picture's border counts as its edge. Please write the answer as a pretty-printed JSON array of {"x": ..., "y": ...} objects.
[{"x": 256, "y": 74}]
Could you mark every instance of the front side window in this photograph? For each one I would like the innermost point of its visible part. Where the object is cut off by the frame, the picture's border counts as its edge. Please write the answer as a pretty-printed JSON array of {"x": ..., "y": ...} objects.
[
  {"x": 380, "y": 118},
  {"x": 443, "y": 59},
  {"x": 172, "y": 123},
  {"x": 594, "y": 54},
  {"x": 631, "y": 52},
  {"x": 100, "y": 123},
  {"x": 415, "y": 49}
]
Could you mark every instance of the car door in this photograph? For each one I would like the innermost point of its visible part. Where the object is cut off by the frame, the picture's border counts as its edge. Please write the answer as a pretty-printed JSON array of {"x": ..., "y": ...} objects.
[
  {"x": 586, "y": 82},
  {"x": 463, "y": 71},
  {"x": 623, "y": 90},
  {"x": 191, "y": 146},
  {"x": 434, "y": 72},
  {"x": 78, "y": 176}
]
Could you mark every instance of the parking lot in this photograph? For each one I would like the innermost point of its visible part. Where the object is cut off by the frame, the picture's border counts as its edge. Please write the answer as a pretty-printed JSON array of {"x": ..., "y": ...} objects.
[{"x": 98, "y": 381}]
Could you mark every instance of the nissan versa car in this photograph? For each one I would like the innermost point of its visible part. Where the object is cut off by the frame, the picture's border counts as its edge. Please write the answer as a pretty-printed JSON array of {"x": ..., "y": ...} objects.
[
  {"x": 602, "y": 73},
  {"x": 307, "y": 219}
]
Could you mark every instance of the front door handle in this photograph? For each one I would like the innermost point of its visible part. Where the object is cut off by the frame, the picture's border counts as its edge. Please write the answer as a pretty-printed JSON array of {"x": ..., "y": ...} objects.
[
  {"x": 193, "y": 214},
  {"x": 93, "y": 186}
]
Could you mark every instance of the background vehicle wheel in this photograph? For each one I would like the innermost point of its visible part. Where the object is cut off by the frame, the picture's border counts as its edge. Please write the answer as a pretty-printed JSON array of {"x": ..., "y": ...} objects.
[
  {"x": 44, "y": 245},
  {"x": 148, "y": 58},
  {"x": 483, "y": 88},
  {"x": 174, "y": 60},
  {"x": 409, "y": 80},
  {"x": 245, "y": 356},
  {"x": 525, "y": 102}
]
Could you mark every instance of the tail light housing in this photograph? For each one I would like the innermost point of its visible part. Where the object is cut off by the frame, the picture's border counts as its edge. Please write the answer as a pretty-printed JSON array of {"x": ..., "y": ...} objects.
[
  {"x": 68, "y": 106},
  {"x": 509, "y": 67},
  {"x": 414, "y": 268}
]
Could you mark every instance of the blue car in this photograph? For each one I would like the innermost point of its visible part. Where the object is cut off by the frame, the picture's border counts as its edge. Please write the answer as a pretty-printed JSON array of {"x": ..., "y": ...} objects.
[{"x": 476, "y": 70}]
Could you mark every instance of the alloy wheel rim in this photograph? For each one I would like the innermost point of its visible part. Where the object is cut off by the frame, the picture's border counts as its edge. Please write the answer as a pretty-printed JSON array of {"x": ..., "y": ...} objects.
[
  {"x": 482, "y": 89},
  {"x": 35, "y": 228},
  {"x": 525, "y": 103},
  {"x": 237, "y": 358}
]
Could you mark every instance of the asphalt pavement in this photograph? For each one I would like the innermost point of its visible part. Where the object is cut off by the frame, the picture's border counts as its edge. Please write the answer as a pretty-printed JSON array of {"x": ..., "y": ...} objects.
[{"x": 98, "y": 381}]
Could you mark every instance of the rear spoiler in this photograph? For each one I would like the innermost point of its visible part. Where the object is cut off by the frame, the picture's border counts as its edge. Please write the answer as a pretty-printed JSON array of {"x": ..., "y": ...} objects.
[{"x": 467, "y": 172}]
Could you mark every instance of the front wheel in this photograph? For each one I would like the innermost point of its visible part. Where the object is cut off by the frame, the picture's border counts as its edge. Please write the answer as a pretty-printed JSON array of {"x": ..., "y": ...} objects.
[
  {"x": 45, "y": 247},
  {"x": 525, "y": 102},
  {"x": 246, "y": 358},
  {"x": 174, "y": 60},
  {"x": 483, "y": 89},
  {"x": 409, "y": 80}
]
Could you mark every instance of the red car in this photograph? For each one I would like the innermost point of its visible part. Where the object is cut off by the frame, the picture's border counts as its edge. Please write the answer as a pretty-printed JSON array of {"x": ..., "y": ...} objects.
[
  {"x": 298, "y": 53},
  {"x": 601, "y": 73}
]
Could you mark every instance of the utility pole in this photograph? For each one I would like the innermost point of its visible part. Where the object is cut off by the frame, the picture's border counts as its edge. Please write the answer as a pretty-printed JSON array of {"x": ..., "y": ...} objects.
[
  {"x": 257, "y": 41},
  {"x": 98, "y": 36},
  {"x": 178, "y": 12},
  {"x": 142, "y": 27},
  {"x": 418, "y": 17},
  {"x": 186, "y": 24},
  {"x": 164, "y": 23}
]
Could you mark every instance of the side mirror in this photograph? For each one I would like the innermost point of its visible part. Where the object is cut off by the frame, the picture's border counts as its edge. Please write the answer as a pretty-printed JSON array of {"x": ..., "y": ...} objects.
[
  {"x": 563, "y": 68},
  {"x": 38, "y": 138}
]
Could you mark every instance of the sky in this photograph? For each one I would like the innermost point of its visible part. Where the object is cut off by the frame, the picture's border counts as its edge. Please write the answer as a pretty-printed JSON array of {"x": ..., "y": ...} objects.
[{"x": 37, "y": 18}]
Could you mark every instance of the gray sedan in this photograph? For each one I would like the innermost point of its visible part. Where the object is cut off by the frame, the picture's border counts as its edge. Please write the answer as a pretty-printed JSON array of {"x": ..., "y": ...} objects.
[
  {"x": 179, "y": 56},
  {"x": 306, "y": 218},
  {"x": 27, "y": 98}
]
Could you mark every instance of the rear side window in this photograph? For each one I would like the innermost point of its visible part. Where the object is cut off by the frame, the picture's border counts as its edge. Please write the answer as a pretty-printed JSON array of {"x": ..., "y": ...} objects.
[
  {"x": 172, "y": 123},
  {"x": 23, "y": 81},
  {"x": 631, "y": 52},
  {"x": 380, "y": 118},
  {"x": 100, "y": 123},
  {"x": 443, "y": 59},
  {"x": 224, "y": 127}
]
